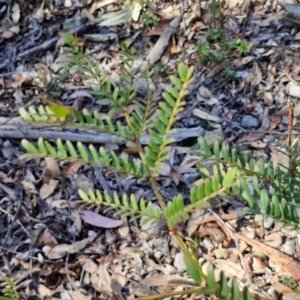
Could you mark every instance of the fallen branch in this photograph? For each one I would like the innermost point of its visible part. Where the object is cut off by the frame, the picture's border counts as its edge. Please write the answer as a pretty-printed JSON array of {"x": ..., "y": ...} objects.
[{"x": 18, "y": 129}]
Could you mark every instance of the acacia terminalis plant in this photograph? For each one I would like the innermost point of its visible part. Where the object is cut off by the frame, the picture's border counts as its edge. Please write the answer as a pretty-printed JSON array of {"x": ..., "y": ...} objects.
[{"x": 228, "y": 175}]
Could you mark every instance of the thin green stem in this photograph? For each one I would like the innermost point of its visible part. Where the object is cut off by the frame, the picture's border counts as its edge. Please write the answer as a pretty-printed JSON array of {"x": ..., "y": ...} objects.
[{"x": 148, "y": 170}]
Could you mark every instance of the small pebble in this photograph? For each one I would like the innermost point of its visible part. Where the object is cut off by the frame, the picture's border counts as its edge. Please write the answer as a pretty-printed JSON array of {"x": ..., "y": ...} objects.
[
  {"x": 179, "y": 263},
  {"x": 207, "y": 244},
  {"x": 268, "y": 223},
  {"x": 288, "y": 247},
  {"x": 258, "y": 218},
  {"x": 249, "y": 121}
]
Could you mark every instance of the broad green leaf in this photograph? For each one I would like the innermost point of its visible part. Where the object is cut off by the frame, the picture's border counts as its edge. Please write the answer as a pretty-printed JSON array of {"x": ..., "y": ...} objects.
[
  {"x": 50, "y": 149},
  {"x": 265, "y": 202},
  {"x": 104, "y": 156},
  {"x": 83, "y": 153},
  {"x": 42, "y": 147},
  {"x": 175, "y": 94},
  {"x": 248, "y": 198},
  {"x": 25, "y": 115},
  {"x": 71, "y": 150},
  {"x": 216, "y": 149},
  {"x": 91, "y": 195},
  {"x": 204, "y": 146},
  {"x": 235, "y": 290},
  {"x": 177, "y": 82},
  {"x": 211, "y": 282},
  {"x": 224, "y": 290},
  {"x": 29, "y": 147},
  {"x": 246, "y": 294},
  {"x": 61, "y": 148},
  {"x": 182, "y": 72},
  {"x": 229, "y": 178},
  {"x": 94, "y": 153},
  {"x": 192, "y": 270},
  {"x": 83, "y": 195},
  {"x": 166, "y": 108}
]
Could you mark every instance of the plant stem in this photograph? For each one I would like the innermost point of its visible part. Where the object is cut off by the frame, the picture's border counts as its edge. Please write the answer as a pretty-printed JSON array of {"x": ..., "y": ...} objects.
[{"x": 148, "y": 170}]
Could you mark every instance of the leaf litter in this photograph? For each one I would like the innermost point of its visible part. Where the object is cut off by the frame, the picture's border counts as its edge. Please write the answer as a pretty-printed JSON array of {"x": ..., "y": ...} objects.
[{"x": 41, "y": 198}]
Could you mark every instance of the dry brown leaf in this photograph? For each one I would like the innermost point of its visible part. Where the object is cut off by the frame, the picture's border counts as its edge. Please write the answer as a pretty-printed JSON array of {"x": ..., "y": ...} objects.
[
  {"x": 274, "y": 121},
  {"x": 215, "y": 70},
  {"x": 84, "y": 183},
  {"x": 47, "y": 189},
  {"x": 194, "y": 220},
  {"x": 229, "y": 268},
  {"x": 175, "y": 177},
  {"x": 160, "y": 280},
  {"x": 284, "y": 261},
  {"x": 79, "y": 296},
  {"x": 101, "y": 280},
  {"x": 51, "y": 170},
  {"x": 90, "y": 266},
  {"x": 215, "y": 234},
  {"x": 98, "y": 220},
  {"x": 29, "y": 187},
  {"x": 205, "y": 92},
  {"x": 6, "y": 34},
  {"x": 118, "y": 279},
  {"x": 61, "y": 250},
  {"x": 239, "y": 62},
  {"x": 47, "y": 238},
  {"x": 206, "y": 116},
  {"x": 5, "y": 179},
  {"x": 282, "y": 288},
  {"x": 73, "y": 168}
]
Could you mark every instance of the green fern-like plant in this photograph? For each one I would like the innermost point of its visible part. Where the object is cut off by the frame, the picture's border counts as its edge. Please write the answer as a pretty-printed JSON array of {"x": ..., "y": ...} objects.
[
  {"x": 230, "y": 173},
  {"x": 256, "y": 177},
  {"x": 10, "y": 291}
]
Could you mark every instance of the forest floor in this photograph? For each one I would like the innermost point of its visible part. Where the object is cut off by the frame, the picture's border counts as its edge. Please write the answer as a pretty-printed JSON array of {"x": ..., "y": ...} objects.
[{"x": 241, "y": 94}]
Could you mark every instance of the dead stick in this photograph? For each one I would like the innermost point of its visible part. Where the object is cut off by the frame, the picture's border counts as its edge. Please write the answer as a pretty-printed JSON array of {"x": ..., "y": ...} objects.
[{"x": 18, "y": 129}]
